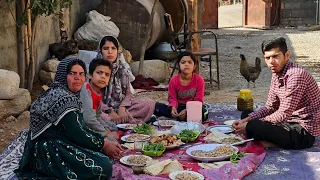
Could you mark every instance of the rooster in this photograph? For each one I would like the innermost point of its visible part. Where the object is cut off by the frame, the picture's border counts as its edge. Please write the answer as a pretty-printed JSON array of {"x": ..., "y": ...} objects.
[{"x": 248, "y": 72}]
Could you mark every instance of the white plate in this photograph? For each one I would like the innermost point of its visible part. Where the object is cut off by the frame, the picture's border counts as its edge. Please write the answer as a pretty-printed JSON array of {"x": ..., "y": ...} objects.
[
  {"x": 156, "y": 123},
  {"x": 173, "y": 175},
  {"x": 221, "y": 128},
  {"x": 122, "y": 126},
  {"x": 124, "y": 138},
  {"x": 194, "y": 126},
  {"x": 124, "y": 159},
  {"x": 229, "y": 122},
  {"x": 208, "y": 147}
]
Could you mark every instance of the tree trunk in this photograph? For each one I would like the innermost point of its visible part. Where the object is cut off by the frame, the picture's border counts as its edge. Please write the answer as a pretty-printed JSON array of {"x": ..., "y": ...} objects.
[
  {"x": 33, "y": 58},
  {"x": 193, "y": 26},
  {"x": 148, "y": 38},
  {"x": 63, "y": 30},
  {"x": 20, "y": 31}
]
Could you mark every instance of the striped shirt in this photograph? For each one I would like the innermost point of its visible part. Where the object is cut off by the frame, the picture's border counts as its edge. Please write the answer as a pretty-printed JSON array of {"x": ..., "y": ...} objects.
[{"x": 294, "y": 96}]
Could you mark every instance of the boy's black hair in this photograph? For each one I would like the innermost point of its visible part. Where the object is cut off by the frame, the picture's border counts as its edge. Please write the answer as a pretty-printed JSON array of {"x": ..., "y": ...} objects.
[
  {"x": 278, "y": 42},
  {"x": 98, "y": 62},
  {"x": 186, "y": 53}
]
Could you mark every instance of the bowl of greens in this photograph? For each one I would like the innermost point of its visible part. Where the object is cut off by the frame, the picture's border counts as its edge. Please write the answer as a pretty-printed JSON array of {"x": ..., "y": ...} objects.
[
  {"x": 153, "y": 150},
  {"x": 188, "y": 135},
  {"x": 143, "y": 129}
]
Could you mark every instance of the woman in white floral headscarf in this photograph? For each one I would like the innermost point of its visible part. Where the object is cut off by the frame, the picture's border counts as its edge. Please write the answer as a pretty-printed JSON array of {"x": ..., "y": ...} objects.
[{"x": 118, "y": 103}]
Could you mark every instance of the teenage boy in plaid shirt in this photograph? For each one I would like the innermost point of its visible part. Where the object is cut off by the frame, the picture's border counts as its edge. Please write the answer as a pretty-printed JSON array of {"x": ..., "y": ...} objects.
[{"x": 290, "y": 118}]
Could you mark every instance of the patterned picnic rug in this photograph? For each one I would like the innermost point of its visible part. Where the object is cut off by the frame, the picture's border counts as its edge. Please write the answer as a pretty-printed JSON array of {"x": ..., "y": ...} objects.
[{"x": 278, "y": 164}]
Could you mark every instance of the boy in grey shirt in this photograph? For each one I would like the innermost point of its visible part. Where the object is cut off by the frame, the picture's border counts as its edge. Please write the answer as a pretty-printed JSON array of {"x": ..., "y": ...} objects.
[{"x": 91, "y": 95}]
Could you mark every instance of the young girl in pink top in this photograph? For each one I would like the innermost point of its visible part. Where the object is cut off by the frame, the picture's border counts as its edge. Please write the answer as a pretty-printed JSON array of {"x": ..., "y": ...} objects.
[{"x": 183, "y": 87}]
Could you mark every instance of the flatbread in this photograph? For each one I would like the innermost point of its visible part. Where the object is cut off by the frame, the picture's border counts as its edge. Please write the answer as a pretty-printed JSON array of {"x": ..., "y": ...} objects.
[
  {"x": 172, "y": 167},
  {"x": 163, "y": 167},
  {"x": 155, "y": 169}
]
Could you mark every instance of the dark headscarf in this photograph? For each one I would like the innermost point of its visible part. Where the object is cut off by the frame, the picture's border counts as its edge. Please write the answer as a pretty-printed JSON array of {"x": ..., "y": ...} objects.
[{"x": 57, "y": 101}]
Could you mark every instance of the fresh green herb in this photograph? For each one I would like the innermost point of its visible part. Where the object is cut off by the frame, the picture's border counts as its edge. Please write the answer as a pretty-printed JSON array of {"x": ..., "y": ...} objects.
[
  {"x": 235, "y": 158},
  {"x": 143, "y": 129},
  {"x": 187, "y": 134},
  {"x": 154, "y": 147}
]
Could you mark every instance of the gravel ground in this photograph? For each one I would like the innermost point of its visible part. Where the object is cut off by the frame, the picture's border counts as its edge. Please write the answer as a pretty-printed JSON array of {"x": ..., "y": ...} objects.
[{"x": 235, "y": 41}]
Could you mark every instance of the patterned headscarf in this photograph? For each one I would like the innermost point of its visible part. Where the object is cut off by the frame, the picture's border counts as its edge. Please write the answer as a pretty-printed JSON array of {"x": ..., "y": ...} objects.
[
  {"x": 118, "y": 84},
  {"x": 56, "y": 102}
]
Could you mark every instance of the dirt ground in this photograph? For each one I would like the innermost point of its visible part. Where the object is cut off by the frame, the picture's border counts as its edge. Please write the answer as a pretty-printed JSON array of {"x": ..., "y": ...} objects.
[{"x": 232, "y": 43}]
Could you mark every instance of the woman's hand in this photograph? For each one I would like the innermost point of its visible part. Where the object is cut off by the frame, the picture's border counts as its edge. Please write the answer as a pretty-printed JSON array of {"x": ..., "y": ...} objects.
[
  {"x": 183, "y": 114},
  {"x": 112, "y": 149},
  {"x": 174, "y": 112},
  {"x": 122, "y": 113}
]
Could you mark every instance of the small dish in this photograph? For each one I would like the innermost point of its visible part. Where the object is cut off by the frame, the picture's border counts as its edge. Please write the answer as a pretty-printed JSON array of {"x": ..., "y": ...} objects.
[
  {"x": 124, "y": 160},
  {"x": 221, "y": 128},
  {"x": 126, "y": 126},
  {"x": 152, "y": 153},
  {"x": 173, "y": 175},
  {"x": 184, "y": 139},
  {"x": 124, "y": 138},
  {"x": 166, "y": 123}
]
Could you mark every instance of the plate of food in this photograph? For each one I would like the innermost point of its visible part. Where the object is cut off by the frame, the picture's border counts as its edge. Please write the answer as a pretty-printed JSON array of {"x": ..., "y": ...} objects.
[
  {"x": 188, "y": 135},
  {"x": 170, "y": 141},
  {"x": 126, "y": 126},
  {"x": 166, "y": 123},
  {"x": 135, "y": 160},
  {"x": 194, "y": 126},
  {"x": 184, "y": 175},
  {"x": 135, "y": 138},
  {"x": 229, "y": 122},
  {"x": 211, "y": 152},
  {"x": 143, "y": 129},
  {"x": 221, "y": 128},
  {"x": 153, "y": 150}
]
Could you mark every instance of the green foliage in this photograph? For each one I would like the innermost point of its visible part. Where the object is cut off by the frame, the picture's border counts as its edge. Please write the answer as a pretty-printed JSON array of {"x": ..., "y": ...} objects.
[
  {"x": 43, "y": 7},
  {"x": 48, "y": 7}
]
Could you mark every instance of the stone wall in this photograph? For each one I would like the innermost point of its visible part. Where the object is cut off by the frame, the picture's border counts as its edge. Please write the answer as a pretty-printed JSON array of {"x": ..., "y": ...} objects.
[
  {"x": 8, "y": 37},
  {"x": 298, "y": 12}
]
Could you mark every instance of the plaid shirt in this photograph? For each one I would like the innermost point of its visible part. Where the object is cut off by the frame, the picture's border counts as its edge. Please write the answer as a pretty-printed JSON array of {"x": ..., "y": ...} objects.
[{"x": 294, "y": 96}]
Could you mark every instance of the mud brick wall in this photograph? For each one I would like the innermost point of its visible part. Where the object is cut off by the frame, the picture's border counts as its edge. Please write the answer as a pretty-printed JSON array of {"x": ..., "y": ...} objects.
[{"x": 298, "y": 12}]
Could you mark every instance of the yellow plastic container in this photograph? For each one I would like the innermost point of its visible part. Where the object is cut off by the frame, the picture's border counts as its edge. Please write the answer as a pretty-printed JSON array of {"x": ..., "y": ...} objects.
[{"x": 245, "y": 100}]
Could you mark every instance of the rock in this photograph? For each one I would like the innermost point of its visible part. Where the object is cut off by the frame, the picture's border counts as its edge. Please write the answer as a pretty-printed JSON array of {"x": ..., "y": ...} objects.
[
  {"x": 46, "y": 77},
  {"x": 11, "y": 119},
  {"x": 51, "y": 65},
  {"x": 1, "y": 130},
  {"x": 96, "y": 27},
  {"x": 9, "y": 84},
  {"x": 156, "y": 69},
  {"x": 25, "y": 116},
  {"x": 17, "y": 105}
]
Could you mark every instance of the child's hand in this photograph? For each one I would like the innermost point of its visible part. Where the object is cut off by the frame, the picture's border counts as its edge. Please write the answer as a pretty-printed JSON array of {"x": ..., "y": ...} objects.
[
  {"x": 123, "y": 115},
  {"x": 114, "y": 116},
  {"x": 182, "y": 114},
  {"x": 174, "y": 112}
]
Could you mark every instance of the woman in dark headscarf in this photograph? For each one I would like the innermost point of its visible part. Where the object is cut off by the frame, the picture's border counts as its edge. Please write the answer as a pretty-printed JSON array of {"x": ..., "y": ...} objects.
[
  {"x": 60, "y": 145},
  {"x": 118, "y": 104}
]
